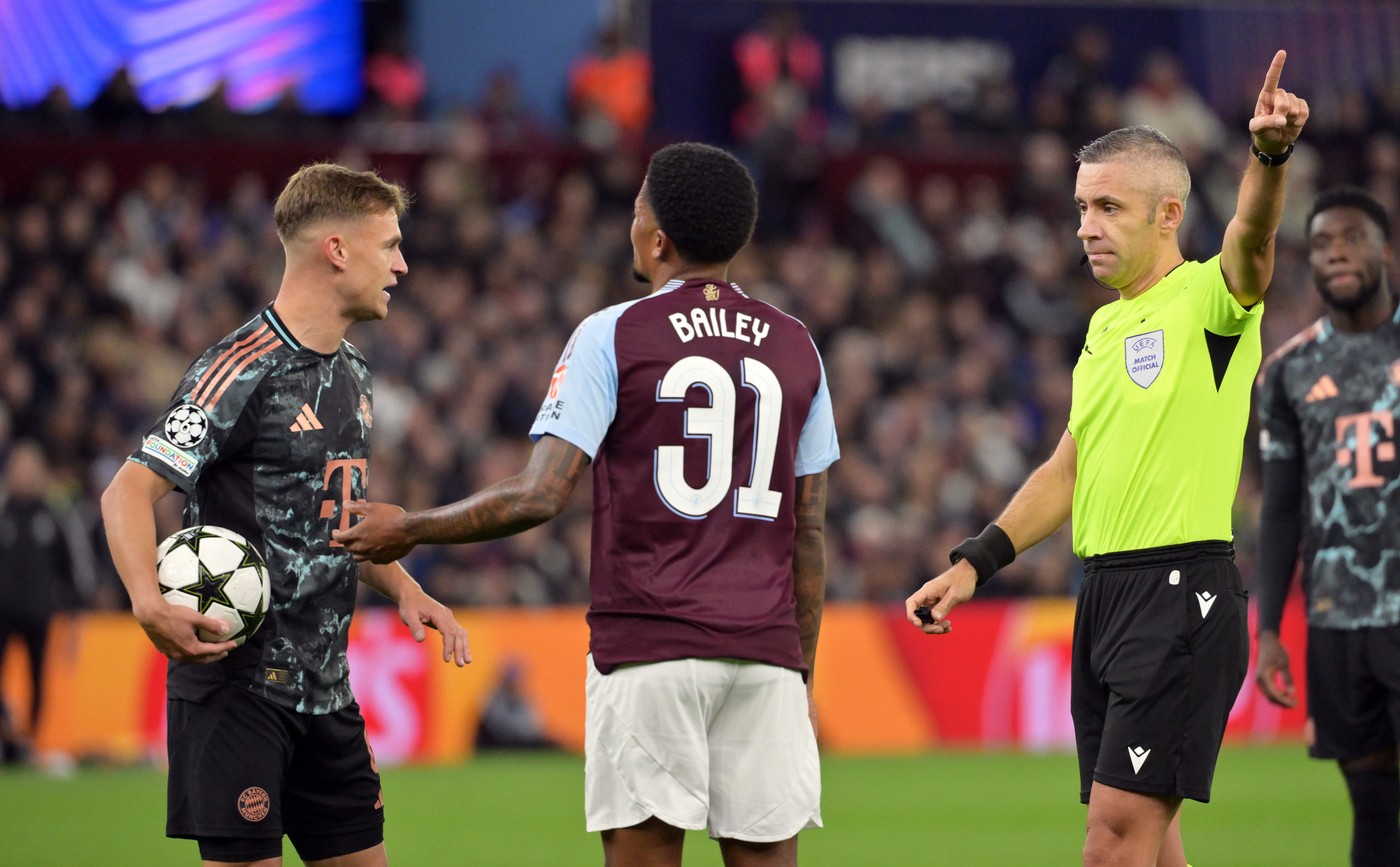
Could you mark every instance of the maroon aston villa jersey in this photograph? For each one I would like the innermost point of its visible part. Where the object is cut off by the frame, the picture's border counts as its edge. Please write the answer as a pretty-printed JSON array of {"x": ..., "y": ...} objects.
[{"x": 700, "y": 408}]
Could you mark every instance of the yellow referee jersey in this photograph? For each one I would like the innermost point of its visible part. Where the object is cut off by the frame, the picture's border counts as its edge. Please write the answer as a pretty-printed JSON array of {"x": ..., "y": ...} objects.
[{"x": 1159, "y": 411}]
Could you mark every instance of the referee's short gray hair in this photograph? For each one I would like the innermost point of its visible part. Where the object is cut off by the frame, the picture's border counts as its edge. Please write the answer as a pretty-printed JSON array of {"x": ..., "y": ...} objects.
[{"x": 1148, "y": 147}]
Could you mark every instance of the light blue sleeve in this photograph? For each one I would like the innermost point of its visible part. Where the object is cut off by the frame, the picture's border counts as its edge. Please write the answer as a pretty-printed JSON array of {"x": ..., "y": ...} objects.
[
  {"x": 582, "y": 398},
  {"x": 817, "y": 448}
]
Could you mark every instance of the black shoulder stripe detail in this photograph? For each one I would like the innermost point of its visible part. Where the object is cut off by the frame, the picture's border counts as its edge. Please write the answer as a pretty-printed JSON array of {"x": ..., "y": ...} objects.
[{"x": 1222, "y": 349}]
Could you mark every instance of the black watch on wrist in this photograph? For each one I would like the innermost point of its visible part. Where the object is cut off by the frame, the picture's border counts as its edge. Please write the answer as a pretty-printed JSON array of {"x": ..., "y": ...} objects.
[{"x": 1271, "y": 160}]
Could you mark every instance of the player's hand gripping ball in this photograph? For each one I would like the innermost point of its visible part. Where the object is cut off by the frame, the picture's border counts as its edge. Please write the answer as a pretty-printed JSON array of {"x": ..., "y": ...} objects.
[{"x": 216, "y": 572}]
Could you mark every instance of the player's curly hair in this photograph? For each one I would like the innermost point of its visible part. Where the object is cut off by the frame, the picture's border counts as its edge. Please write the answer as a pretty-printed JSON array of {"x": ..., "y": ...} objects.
[
  {"x": 704, "y": 200},
  {"x": 1351, "y": 197},
  {"x": 324, "y": 191}
]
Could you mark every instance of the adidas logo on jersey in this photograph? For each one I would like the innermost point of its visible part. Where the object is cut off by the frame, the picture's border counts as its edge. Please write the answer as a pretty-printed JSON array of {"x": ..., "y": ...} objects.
[
  {"x": 1321, "y": 390},
  {"x": 1138, "y": 755},
  {"x": 306, "y": 420}
]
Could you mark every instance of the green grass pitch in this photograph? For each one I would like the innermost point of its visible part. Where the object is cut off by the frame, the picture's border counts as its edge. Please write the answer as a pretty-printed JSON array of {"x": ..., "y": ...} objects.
[{"x": 1272, "y": 806}]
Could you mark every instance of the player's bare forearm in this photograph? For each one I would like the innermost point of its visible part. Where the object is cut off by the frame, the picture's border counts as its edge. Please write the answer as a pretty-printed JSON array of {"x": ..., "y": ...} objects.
[
  {"x": 525, "y": 500},
  {"x": 128, "y": 513},
  {"x": 128, "y": 516},
  {"x": 1247, "y": 255},
  {"x": 389, "y": 580},
  {"x": 809, "y": 563},
  {"x": 417, "y": 608},
  {"x": 1043, "y": 503}
]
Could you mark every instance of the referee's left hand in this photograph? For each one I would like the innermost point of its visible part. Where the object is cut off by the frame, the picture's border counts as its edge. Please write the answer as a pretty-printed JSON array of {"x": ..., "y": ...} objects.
[{"x": 940, "y": 596}]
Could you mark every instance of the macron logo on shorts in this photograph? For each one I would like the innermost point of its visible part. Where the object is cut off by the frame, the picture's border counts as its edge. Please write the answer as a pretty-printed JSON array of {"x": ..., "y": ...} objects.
[
  {"x": 1206, "y": 600},
  {"x": 1138, "y": 755}
]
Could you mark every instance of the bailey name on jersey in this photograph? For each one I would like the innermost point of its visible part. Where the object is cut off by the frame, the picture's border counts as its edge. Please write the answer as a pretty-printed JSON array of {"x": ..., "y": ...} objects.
[{"x": 714, "y": 322}]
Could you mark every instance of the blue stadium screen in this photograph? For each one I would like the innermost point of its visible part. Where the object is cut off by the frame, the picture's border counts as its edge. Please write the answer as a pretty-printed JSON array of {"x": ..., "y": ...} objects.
[{"x": 177, "y": 52}]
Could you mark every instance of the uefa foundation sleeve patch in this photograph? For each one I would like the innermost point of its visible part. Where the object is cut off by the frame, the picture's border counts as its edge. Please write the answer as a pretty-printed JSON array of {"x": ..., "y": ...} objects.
[{"x": 178, "y": 459}]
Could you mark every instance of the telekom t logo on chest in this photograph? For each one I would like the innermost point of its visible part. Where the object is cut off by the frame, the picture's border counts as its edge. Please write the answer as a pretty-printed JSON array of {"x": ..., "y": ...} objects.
[
  {"x": 349, "y": 470},
  {"x": 1357, "y": 449}
]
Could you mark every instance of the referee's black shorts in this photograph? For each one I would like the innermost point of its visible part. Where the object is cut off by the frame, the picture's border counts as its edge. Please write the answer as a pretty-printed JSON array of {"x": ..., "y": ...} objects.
[
  {"x": 1354, "y": 691},
  {"x": 1161, "y": 644},
  {"x": 244, "y": 771}
]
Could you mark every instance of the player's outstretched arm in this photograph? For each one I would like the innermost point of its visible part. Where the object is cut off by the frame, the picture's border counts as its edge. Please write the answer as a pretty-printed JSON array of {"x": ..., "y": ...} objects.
[
  {"x": 534, "y": 495},
  {"x": 417, "y": 608},
  {"x": 128, "y": 514},
  {"x": 1247, "y": 256},
  {"x": 1038, "y": 509}
]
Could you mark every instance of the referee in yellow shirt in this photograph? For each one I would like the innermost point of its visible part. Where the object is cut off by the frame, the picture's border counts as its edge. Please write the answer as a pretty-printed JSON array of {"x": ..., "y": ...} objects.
[{"x": 1149, "y": 467}]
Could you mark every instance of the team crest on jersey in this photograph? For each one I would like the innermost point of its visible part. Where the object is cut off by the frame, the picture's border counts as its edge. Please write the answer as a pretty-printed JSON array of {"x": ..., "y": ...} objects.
[
  {"x": 711, "y": 292},
  {"x": 1144, "y": 357},
  {"x": 366, "y": 415},
  {"x": 186, "y": 426}
]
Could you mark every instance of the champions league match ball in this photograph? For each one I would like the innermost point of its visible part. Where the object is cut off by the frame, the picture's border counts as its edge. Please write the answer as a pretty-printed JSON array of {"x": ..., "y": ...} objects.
[{"x": 216, "y": 572}]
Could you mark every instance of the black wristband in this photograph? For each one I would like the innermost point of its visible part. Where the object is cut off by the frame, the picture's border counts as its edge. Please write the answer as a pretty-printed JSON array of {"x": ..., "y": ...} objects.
[
  {"x": 987, "y": 552},
  {"x": 1271, "y": 160}
]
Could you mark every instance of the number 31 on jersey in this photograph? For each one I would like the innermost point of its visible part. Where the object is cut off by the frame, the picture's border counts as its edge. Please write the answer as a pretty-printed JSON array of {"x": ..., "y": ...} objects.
[{"x": 716, "y": 423}]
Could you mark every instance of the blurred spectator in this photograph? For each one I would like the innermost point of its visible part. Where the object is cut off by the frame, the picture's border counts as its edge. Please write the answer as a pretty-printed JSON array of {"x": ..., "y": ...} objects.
[
  {"x": 610, "y": 93},
  {"x": 395, "y": 83},
  {"x": 880, "y": 196},
  {"x": 509, "y": 721},
  {"x": 509, "y": 122},
  {"x": 1165, "y": 101},
  {"x": 118, "y": 109},
  {"x": 779, "y": 120},
  {"x": 1073, "y": 81},
  {"x": 46, "y": 566}
]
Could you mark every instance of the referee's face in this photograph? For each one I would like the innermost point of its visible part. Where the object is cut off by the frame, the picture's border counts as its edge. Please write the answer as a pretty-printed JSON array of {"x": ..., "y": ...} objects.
[{"x": 1121, "y": 233}]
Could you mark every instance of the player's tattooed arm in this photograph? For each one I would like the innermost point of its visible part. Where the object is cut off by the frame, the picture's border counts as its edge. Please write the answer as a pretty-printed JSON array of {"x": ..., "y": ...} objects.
[
  {"x": 809, "y": 561},
  {"x": 527, "y": 499}
]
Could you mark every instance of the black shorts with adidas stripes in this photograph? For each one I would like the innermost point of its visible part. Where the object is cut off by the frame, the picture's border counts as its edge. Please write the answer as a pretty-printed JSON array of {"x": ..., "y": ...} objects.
[{"x": 1161, "y": 644}]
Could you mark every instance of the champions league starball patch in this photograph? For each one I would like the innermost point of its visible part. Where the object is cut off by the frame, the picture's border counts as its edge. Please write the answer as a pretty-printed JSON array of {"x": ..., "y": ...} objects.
[
  {"x": 1143, "y": 356},
  {"x": 186, "y": 426}
]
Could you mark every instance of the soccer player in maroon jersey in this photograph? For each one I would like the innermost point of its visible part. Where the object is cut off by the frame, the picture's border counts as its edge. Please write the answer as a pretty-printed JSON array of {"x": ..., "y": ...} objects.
[{"x": 706, "y": 417}]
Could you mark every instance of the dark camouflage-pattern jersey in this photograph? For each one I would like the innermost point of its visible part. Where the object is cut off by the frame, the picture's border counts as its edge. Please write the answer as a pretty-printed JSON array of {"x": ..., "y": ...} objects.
[
  {"x": 270, "y": 439},
  {"x": 1330, "y": 400}
]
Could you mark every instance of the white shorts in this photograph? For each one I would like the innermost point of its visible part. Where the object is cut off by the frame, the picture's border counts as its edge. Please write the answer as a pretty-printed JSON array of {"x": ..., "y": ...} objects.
[{"x": 702, "y": 743}]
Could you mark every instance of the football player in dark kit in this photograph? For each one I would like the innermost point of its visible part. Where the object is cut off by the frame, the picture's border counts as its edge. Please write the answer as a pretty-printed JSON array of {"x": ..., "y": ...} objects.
[
  {"x": 1327, "y": 408},
  {"x": 706, "y": 418},
  {"x": 268, "y": 435}
]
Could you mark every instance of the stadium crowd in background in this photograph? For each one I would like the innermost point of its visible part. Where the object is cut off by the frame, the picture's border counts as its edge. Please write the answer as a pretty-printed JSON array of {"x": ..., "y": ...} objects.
[{"x": 949, "y": 307}]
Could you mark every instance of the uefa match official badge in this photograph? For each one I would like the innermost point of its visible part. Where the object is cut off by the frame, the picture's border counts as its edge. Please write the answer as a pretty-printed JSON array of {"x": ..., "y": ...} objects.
[{"x": 1144, "y": 357}]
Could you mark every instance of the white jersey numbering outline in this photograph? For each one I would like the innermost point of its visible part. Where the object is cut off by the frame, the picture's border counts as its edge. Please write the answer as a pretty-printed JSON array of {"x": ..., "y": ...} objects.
[{"x": 716, "y": 423}]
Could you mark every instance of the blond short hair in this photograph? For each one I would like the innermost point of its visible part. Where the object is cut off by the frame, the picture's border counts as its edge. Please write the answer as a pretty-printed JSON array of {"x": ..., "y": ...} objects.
[{"x": 327, "y": 191}]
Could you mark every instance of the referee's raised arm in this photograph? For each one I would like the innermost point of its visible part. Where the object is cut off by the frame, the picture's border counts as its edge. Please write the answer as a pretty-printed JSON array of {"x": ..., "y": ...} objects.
[{"x": 1247, "y": 255}]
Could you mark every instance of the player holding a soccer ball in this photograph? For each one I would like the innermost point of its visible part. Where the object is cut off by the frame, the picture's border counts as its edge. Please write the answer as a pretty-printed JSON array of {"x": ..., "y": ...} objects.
[{"x": 268, "y": 436}]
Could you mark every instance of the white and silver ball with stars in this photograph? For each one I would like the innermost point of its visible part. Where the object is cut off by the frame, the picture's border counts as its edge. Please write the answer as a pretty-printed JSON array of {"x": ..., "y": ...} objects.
[{"x": 216, "y": 572}]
